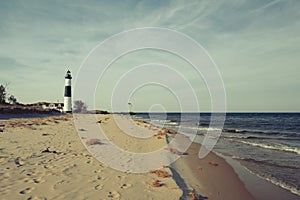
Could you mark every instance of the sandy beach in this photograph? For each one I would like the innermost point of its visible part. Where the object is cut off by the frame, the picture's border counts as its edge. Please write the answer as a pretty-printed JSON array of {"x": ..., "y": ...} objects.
[{"x": 44, "y": 158}]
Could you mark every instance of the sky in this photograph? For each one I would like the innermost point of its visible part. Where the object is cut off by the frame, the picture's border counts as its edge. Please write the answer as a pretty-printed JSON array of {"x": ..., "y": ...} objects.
[{"x": 254, "y": 43}]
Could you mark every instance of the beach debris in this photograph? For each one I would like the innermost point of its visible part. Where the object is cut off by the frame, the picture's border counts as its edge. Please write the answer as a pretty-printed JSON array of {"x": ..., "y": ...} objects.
[
  {"x": 160, "y": 173},
  {"x": 93, "y": 141},
  {"x": 213, "y": 163},
  {"x": 193, "y": 195},
  {"x": 160, "y": 133},
  {"x": 29, "y": 123},
  {"x": 175, "y": 151},
  {"x": 156, "y": 183},
  {"x": 47, "y": 150},
  {"x": 166, "y": 131}
]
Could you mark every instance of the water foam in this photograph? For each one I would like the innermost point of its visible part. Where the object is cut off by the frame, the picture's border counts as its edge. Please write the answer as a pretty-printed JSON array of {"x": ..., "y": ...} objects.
[{"x": 277, "y": 147}]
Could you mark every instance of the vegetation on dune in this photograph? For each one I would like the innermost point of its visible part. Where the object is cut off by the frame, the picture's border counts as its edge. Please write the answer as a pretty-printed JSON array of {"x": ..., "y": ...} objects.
[{"x": 3, "y": 96}]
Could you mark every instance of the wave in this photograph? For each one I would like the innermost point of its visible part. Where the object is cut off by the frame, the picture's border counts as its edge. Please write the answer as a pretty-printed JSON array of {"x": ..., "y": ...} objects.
[
  {"x": 264, "y": 163},
  {"x": 279, "y": 183},
  {"x": 208, "y": 129},
  {"x": 277, "y": 147},
  {"x": 260, "y": 132},
  {"x": 272, "y": 179},
  {"x": 259, "y": 138},
  {"x": 235, "y": 131},
  {"x": 201, "y": 128},
  {"x": 283, "y": 185},
  {"x": 171, "y": 123},
  {"x": 251, "y": 131},
  {"x": 272, "y": 138},
  {"x": 243, "y": 137}
]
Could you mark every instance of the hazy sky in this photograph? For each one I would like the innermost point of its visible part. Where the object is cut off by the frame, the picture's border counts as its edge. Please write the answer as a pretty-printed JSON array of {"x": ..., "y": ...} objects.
[{"x": 255, "y": 44}]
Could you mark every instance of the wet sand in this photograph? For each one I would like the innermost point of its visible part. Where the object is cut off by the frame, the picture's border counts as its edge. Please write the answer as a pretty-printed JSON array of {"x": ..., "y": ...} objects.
[{"x": 211, "y": 177}]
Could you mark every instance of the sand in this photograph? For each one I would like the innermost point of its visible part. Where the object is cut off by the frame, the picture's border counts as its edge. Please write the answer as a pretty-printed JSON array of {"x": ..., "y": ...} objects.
[
  {"x": 45, "y": 158},
  {"x": 211, "y": 177}
]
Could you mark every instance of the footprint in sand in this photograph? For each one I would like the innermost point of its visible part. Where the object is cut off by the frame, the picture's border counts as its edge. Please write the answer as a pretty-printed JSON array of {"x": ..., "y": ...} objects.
[
  {"x": 98, "y": 187},
  {"x": 114, "y": 195},
  {"x": 38, "y": 180},
  {"x": 19, "y": 162},
  {"x": 26, "y": 190},
  {"x": 59, "y": 184},
  {"x": 89, "y": 161},
  {"x": 125, "y": 186},
  {"x": 37, "y": 198},
  {"x": 121, "y": 178},
  {"x": 6, "y": 175},
  {"x": 48, "y": 166}
]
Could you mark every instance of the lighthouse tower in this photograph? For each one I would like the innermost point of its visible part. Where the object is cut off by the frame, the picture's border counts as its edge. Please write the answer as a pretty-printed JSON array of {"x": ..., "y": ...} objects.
[{"x": 67, "y": 97}]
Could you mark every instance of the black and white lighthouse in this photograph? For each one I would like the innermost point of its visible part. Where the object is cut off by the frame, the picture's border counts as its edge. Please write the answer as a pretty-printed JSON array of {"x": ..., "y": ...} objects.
[{"x": 67, "y": 97}]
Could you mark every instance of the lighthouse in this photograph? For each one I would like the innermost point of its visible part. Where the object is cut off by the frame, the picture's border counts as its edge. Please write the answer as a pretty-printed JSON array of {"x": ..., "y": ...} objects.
[{"x": 67, "y": 97}]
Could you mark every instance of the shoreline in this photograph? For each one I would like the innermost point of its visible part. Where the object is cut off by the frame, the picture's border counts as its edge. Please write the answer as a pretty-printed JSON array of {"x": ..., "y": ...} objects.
[
  {"x": 258, "y": 187},
  {"x": 198, "y": 175},
  {"x": 44, "y": 158},
  {"x": 213, "y": 181}
]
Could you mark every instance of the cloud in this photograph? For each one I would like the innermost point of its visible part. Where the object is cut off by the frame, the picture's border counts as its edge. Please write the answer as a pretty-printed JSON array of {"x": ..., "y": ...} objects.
[
  {"x": 267, "y": 5},
  {"x": 8, "y": 63}
]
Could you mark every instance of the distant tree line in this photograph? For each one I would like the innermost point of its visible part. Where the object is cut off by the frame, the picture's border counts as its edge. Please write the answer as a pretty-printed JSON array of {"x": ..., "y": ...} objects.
[
  {"x": 79, "y": 107},
  {"x": 3, "y": 96}
]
